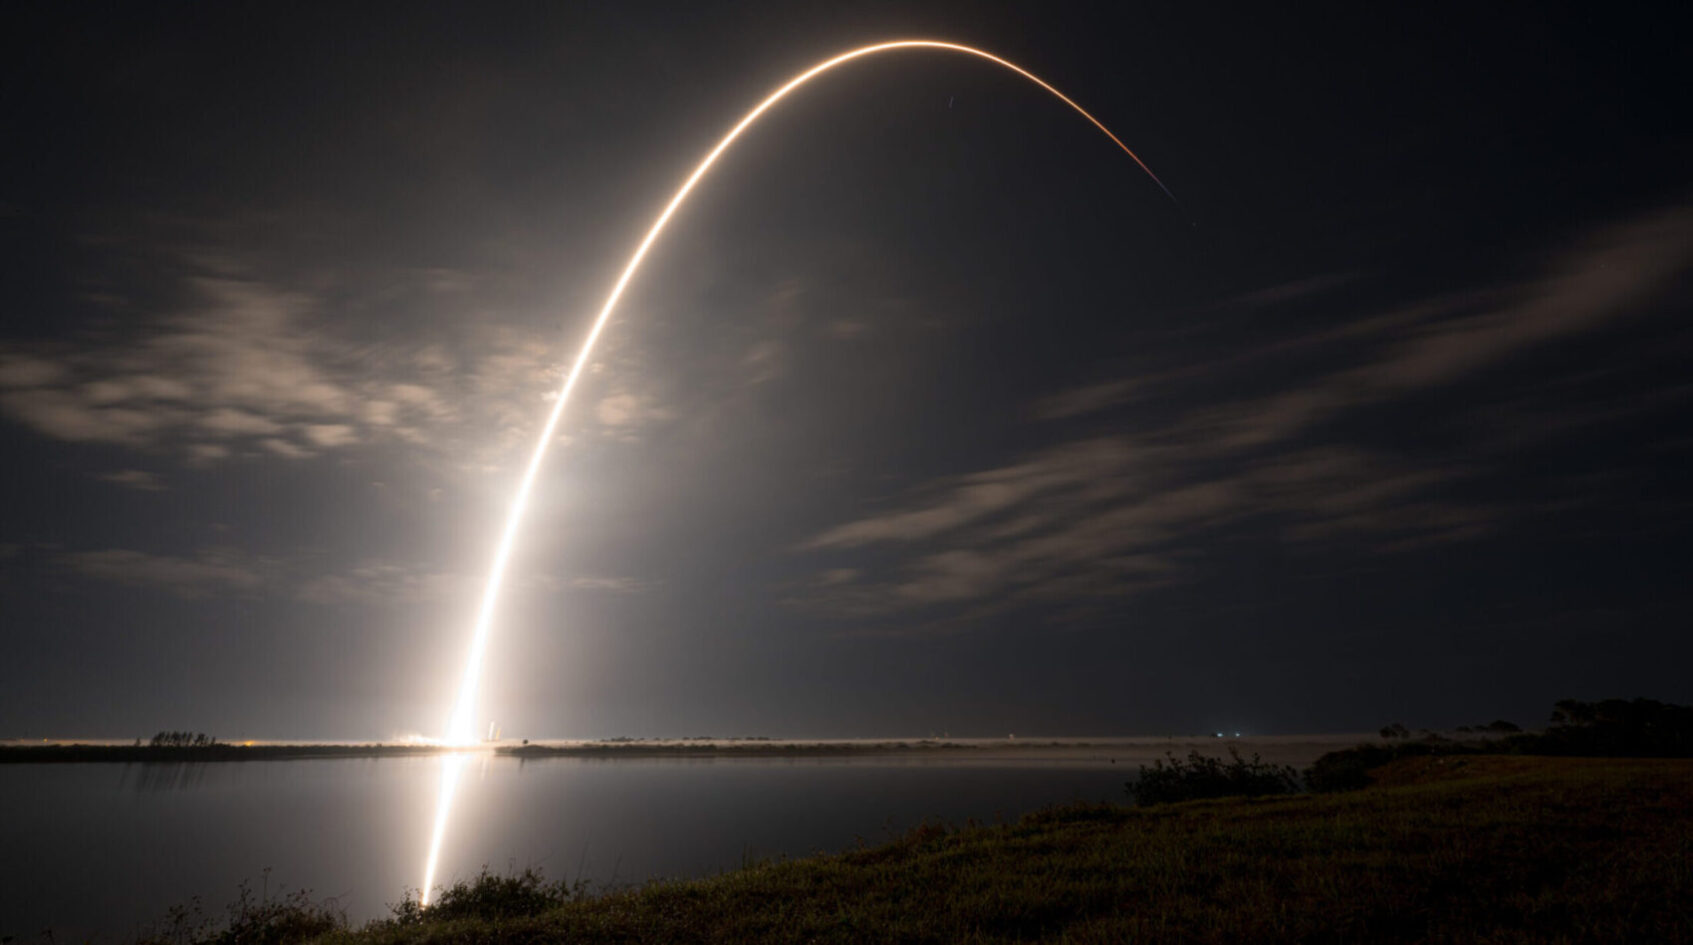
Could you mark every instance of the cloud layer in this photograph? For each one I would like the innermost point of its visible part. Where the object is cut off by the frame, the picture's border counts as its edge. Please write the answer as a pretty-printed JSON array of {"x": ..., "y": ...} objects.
[{"x": 1120, "y": 513}]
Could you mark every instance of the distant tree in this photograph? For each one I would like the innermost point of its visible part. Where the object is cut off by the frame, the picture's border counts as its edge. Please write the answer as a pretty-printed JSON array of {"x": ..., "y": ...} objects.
[
  {"x": 181, "y": 739},
  {"x": 1569, "y": 712},
  {"x": 1349, "y": 768},
  {"x": 1615, "y": 728},
  {"x": 1618, "y": 727}
]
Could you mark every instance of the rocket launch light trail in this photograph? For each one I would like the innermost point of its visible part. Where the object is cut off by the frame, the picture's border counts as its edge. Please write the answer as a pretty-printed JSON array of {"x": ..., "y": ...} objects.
[{"x": 461, "y": 726}]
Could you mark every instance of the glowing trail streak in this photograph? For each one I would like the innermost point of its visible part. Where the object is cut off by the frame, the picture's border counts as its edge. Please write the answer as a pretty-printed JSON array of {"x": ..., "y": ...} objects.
[
  {"x": 461, "y": 728},
  {"x": 452, "y": 765}
]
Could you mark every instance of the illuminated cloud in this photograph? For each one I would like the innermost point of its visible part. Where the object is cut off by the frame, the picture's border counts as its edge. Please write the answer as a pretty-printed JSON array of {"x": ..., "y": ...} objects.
[
  {"x": 246, "y": 369},
  {"x": 606, "y": 583},
  {"x": 239, "y": 364},
  {"x": 138, "y": 479},
  {"x": 330, "y": 435},
  {"x": 382, "y": 582},
  {"x": 202, "y": 574}
]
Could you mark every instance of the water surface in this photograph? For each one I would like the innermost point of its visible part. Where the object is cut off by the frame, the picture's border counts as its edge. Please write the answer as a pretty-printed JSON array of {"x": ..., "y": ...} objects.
[{"x": 104, "y": 849}]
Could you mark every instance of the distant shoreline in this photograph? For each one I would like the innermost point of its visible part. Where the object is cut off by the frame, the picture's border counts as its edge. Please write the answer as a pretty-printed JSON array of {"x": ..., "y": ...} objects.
[
  {"x": 70, "y": 752},
  {"x": 83, "y": 753}
]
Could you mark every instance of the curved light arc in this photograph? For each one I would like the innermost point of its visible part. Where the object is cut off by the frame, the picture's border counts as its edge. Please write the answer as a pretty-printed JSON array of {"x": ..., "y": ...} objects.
[{"x": 461, "y": 727}]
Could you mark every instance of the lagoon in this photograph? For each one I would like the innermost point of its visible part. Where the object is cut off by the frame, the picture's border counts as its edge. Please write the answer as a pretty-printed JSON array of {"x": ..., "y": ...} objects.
[{"x": 104, "y": 849}]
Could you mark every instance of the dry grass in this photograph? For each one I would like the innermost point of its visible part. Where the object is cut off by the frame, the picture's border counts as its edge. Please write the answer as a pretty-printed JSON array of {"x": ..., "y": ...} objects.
[{"x": 1463, "y": 849}]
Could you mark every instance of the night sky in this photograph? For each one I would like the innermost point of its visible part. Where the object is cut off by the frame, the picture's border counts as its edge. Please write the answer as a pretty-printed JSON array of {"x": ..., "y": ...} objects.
[{"x": 930, "y": 413}]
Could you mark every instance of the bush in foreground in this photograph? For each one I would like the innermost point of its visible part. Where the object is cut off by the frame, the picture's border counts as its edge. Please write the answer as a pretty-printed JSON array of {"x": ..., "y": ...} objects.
[
  {"x": 491, "y": 896},
  {"x": 294, "y": 917},
  {"x": 286, "y": 919},
  {"x": 1348, "y": 768},
  {"x": 1202, "y": 777}
]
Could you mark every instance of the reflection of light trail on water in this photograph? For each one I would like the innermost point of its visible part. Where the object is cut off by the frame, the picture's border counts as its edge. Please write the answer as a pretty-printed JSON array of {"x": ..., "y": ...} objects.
[
  {"x": 452, "y": 766},
  {"x": 461, "y": 726}
]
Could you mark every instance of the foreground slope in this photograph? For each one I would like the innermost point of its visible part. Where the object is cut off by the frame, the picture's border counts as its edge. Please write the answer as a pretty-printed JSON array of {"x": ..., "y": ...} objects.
[{"x": 1458, "y": 849}]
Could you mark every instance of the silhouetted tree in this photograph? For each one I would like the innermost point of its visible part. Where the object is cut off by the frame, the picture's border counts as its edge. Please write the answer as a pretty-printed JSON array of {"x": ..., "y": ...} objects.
[
  {"x": 181, "y": 739},
  {"x": 1619, "y": 727}
]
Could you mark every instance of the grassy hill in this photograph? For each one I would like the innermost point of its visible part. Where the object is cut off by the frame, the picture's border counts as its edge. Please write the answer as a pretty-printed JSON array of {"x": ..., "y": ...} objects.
[{"x": 1445, "y": 849}]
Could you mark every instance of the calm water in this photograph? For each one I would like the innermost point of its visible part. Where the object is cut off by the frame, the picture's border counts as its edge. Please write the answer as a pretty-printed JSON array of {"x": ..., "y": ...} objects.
[{"x": 104, "y": 849}]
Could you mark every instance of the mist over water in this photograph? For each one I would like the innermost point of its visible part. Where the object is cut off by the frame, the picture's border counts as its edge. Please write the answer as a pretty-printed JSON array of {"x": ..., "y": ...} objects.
[{"x": 105, "y": 849}]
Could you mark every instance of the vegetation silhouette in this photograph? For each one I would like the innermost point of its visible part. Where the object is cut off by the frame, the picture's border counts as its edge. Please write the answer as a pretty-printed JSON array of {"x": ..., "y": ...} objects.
[
  {"x": 1201, "y": 777},
  {"x": 253, "y": 920},
  {"x": 1497, "y": 726},
  {"x": 1610, "y": 728},
  {"x": 182, "y": 740},
  {"x": 490, "y": 896}
]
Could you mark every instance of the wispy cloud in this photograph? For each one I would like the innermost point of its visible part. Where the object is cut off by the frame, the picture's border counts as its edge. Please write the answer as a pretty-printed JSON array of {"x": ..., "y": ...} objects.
[
  {"x": 203, "y": 574},
  {"x": 1065, "y": 475},
  {"x": 1106, "y": 518},
  {"x": 376, "y": 582},
  {"x": 610, "y": 584},
  {"x": 1609, "y": 277},
  {"x": 242, "y": 364},
  {"x": 1090, "y": 398},
  {"x": 138, "y": 479},
  {"x": 246, "y": 368},
  {"x": 1113, "y": 515},
  {"x": 385, "y": 583}
]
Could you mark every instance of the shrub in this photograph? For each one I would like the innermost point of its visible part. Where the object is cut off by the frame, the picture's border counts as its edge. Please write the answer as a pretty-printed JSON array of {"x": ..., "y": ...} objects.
[
  {"x": 1346, "y": 769},
  {"x": 293, "y": 917},
  {"x": 491, "y": 896},
  {"x": 1202, "y": 777},
  {"x": 284, "y": 920},
  {"x": 181, "y": 740}
]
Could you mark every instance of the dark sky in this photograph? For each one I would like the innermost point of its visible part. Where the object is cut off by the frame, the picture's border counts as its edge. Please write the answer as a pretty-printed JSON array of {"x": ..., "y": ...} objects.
[{"x": 930, "y": 413}]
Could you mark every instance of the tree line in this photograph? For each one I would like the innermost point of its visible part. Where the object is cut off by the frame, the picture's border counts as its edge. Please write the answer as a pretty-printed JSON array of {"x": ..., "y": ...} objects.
[{"x": 182, "y": 740}]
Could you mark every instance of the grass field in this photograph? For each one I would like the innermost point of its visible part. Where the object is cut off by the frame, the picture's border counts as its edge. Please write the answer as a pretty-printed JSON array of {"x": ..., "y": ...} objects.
[{"x": 1453, "y": 849}]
